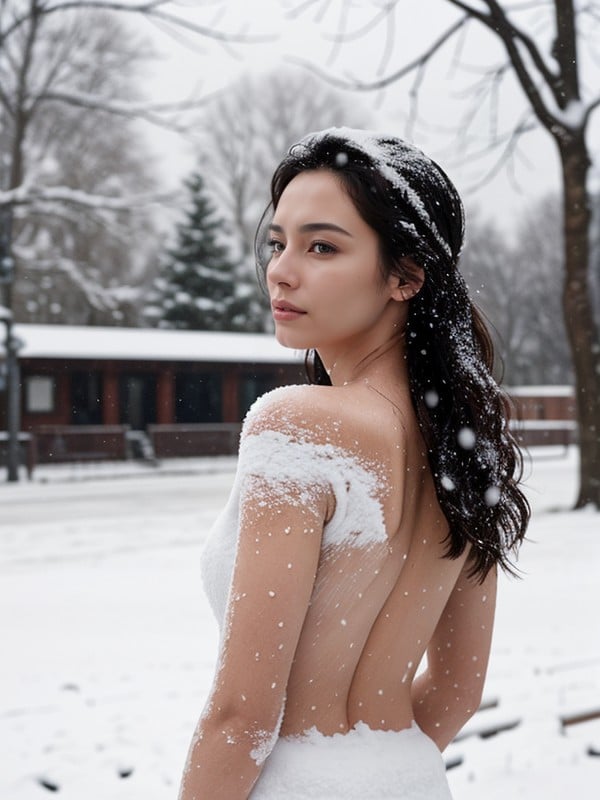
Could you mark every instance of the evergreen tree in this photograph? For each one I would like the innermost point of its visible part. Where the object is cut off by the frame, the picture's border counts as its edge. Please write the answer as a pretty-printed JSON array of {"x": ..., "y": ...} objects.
[{"x": 198, "y": 288}]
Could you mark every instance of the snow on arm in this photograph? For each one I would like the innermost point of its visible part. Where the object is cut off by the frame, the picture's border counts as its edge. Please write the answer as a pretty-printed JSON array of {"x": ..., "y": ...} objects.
[
  {"x": 449, "y": 692},
  {"x": 285, "y": 499}
]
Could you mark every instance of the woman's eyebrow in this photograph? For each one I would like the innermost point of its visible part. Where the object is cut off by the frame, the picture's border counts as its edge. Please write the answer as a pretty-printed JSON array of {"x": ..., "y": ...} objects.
[{"x": 311, "y": 227}]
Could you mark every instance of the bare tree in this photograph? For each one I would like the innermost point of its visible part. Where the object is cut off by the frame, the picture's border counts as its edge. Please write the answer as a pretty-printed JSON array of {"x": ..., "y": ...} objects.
[
  {"x": 560, "y": 102},
  {"x": 71, "y": 258},
  {"x": 595, "y": 252},
  {"x": 71, "y": 156},
  {"x": 516, "y": 283},
  {"x": 538, "y": 252},
  {"x": 247, "y": 129},
  {"x": 500, "y": 288}
]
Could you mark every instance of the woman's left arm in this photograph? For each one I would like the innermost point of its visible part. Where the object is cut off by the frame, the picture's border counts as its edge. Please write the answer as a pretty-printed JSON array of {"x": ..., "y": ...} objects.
[
  {"x": 448, "y": 693},
  {"x": 278, "y": 552}
]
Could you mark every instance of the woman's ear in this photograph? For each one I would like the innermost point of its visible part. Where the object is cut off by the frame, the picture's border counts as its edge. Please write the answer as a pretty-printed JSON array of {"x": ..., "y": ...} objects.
[{"x": 410, "y": 284}]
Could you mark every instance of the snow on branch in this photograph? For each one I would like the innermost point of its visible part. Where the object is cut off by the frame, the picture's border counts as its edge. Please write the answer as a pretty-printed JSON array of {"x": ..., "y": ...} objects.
[
  {"x": 102, "y": 298},
  {"x": 29, "y": 195},
  {"x": 529, "y": 66}
]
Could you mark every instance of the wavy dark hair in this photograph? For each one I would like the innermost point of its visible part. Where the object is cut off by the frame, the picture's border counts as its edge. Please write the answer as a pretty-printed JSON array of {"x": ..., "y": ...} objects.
[{"x": 414, "y": 208}]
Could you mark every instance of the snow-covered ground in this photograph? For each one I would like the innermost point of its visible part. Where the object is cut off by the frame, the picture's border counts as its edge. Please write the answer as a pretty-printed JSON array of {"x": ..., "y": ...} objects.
[{"x": 108, "y": 645}]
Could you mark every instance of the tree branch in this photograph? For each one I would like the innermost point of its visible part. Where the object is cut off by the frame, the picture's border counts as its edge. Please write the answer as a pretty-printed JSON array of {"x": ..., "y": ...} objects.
[
  {"x": 485, "y": 89},
  {"x": 368, "y": 86},
  {"x": 299, "y": 9},
  {"x": 125, "y": 108},
  {"x": 549, "y": 76},
  {"x": 29, "y": 195},
  {"x": 512, "y": 139},
  {"x": 498, "y": 22},
  {"x": 148, "y": 9},
  {"x": 366, "y": 28},
  {"x": 590, "y": 109},
  {"x": 565, "y": 51},
  {"x": 5, "y": 103}
]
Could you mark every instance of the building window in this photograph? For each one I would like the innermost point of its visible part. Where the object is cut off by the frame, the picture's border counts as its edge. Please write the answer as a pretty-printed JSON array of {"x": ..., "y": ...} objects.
[
  {"x": 39, "y": 394},
  {"x": 198, "y": 397},
  {"x": 86, "y": 398},
  {"x": 252, "y": 387}
]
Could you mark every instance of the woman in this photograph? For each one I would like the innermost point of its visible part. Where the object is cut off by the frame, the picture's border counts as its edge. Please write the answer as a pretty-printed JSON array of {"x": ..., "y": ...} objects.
[{"x": 370, "y": 510}]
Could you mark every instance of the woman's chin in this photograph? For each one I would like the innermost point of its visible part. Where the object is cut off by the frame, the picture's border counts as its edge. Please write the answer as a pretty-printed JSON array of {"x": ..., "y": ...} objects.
[{"x": 292, "y": 341}]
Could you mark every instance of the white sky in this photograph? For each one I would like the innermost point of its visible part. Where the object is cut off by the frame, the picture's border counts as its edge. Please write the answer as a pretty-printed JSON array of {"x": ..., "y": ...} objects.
[{"x": 195, "y": 64}]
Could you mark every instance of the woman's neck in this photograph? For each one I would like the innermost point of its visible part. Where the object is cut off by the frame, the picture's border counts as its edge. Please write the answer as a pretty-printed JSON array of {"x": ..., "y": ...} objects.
[{"x": 383, "y": 363}]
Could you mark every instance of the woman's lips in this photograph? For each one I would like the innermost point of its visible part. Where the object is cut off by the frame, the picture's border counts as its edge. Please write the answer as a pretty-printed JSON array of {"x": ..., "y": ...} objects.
[{"x": 285, "y": 312}]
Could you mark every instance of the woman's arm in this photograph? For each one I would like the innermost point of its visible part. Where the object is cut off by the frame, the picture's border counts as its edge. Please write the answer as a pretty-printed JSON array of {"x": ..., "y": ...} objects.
[
  {"x": 281, "y": 526},
  {"x": 449, "y": 691}
]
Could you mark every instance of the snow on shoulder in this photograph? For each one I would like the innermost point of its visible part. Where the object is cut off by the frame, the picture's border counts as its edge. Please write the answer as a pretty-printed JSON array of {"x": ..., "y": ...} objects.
[
  {"x": 291, "y": 446},
  {"x": 294, "y": 409}
]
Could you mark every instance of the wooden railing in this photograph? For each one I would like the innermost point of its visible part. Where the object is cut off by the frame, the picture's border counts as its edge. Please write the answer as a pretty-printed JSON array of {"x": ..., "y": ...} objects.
[
  {"x": 61, "y": 443},
  {"x": 203, "y": 439}
]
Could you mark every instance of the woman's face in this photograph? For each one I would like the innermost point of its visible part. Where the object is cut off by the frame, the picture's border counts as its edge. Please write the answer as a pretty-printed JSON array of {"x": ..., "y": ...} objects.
[{"x": 323, "y": 276}]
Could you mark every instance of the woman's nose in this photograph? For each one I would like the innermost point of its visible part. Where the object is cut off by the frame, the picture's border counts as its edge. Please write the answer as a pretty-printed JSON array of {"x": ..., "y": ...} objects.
[{"x": 283, "y": 270}]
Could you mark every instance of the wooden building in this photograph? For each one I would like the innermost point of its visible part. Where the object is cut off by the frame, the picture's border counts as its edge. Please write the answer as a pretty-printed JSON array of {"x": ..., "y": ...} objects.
[
  {"x": 97, "y": 384},
  {"x": 94, "y": 393},
  {"x": 545, "y": 415}
]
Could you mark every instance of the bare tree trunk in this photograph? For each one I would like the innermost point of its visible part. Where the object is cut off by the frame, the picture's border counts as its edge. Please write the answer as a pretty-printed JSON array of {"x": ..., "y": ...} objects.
[
  {"x": 579, "y": 316},
  {"x": 20, "y": 122}
]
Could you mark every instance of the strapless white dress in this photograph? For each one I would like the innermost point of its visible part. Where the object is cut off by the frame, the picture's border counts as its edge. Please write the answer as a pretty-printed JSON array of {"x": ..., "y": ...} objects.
[{"x": 362, "y": 764}]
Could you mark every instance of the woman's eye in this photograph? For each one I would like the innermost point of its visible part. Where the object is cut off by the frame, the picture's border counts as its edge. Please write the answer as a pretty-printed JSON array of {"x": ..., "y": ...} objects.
[
  {"x": 323, "y": 249},
  {"x": 275, "y": 246}
]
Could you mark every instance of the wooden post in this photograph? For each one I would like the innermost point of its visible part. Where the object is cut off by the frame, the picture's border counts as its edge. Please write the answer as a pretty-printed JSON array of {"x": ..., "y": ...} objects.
[
  {"x": 62, "y": 413},
  {"x": 110, "y": 396},
  {"x": 165, "y": 397},
  {"x": 230, "y": 402}
]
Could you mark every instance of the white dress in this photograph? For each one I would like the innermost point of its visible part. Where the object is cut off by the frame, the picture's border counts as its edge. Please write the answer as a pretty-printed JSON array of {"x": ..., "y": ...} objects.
[{"x": 360, "y": 763}]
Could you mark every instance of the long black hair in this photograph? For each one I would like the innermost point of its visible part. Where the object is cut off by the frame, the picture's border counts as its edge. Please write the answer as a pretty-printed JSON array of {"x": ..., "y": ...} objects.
[{"x": 412, "y": 205}]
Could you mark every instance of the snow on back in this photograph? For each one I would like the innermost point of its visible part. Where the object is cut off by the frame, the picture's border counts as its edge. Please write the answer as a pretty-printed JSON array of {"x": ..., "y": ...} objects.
[
  {"x": 390, "y": 156},
  {"x": 300, "y": 469}
]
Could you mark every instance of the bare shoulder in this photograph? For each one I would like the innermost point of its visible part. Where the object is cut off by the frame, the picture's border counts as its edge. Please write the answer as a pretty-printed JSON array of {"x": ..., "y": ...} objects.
[
  {"x": 303, "y": 410},
  {"x": 327, "y": 414}
]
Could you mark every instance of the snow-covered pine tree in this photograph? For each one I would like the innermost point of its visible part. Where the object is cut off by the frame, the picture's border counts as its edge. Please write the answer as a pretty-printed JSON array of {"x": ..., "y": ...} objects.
[{"x": 197, "y": 288}]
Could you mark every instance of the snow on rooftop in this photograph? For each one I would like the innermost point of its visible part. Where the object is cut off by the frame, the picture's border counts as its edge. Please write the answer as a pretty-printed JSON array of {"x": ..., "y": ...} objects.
[
  {"x": 151, "y": 344},
  {"x": 541, "y": 391}
]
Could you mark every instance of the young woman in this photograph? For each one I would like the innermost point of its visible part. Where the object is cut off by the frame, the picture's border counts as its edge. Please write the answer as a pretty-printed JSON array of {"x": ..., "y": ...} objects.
[{"x": 371, "y": 509}]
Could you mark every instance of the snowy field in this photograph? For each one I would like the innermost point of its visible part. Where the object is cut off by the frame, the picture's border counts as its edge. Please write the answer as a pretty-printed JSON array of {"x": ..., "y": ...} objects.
[{"x": 108, "y": 644}]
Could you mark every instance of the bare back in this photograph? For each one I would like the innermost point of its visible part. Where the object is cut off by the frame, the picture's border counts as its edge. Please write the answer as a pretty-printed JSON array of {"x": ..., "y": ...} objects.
[
  {"x": 373, "y": 609},
  {"x": 326, "y": 572}
]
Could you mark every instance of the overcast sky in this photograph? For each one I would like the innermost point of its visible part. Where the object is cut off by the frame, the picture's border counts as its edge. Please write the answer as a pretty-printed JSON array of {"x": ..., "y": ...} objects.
[{"x": 304, "y": 29}]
